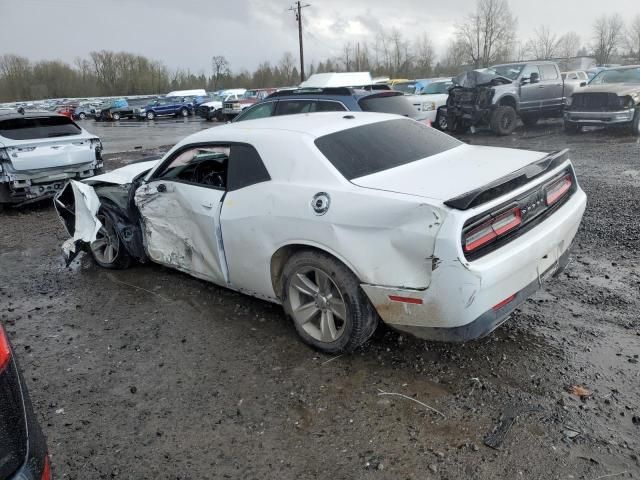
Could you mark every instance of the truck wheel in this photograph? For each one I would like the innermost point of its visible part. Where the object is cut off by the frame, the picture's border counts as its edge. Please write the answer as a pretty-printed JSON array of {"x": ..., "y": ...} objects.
[
  {"x": 82, "y": 115},
  {"x": 572, "y": 128},
  {"x": 219, "y": 116},
  {"x": 115, "y": 116},
  {"x": 329, "y": 309},
  {"x": 529, "y": 120},
  {"x": 635, "y": 125},
  {"x": 441, "y": 122},
  {"x": 150, "y": 115},
  {"x": 503, "y": 120},
  {"x": 184, "y": 112}
]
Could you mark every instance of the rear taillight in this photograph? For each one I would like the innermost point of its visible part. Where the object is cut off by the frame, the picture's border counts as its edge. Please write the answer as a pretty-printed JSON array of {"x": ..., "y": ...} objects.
[
  {"x": 46, "y": 471},
  {"x": 558, "y": 189},
  {"x": 492, "y": 229},
  {"x": 5, "y": 350}
]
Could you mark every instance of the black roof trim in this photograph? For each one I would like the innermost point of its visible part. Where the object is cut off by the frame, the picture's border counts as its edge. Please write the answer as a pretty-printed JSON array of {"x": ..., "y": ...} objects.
[{"x": 509, "y": 182}]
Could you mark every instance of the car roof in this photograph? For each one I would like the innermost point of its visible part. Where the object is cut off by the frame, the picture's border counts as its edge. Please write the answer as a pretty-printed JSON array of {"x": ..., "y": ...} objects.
[
  {"x": 312, "y": 124},
  {"x": 12, "y": 114}
]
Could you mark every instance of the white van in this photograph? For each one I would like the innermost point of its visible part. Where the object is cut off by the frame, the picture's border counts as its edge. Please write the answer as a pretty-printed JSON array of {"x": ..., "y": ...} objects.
[{"x": 197, "y": 92}]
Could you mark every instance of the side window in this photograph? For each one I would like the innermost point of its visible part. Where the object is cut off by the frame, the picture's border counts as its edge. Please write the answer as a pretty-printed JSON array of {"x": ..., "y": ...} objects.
[
  {"x": 328, "y": 106},
  {"x": 204, "y": 166},
  {"x": 291, "y": 107},
  {"x": 528, "y": 70},
  {"x": 245, "y": 168},
  {"x": 583, "y": 76},
  {"x": 548, "y": 72},
  {"x": 262, "y": 110},
  {"x": 573, "y": 76}
]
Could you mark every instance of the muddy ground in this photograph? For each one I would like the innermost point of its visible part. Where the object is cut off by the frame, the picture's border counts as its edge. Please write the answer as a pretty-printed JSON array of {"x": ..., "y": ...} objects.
[{"x": 148, "y": 373}]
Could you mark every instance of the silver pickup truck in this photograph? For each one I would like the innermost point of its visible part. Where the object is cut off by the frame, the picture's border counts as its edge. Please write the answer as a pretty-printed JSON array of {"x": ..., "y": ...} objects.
[{"x": 498, "y": 95}]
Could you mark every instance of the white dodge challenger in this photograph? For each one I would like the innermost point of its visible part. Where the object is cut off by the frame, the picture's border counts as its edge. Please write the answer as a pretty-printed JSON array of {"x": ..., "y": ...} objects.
[{"x": 344, "y": 219}]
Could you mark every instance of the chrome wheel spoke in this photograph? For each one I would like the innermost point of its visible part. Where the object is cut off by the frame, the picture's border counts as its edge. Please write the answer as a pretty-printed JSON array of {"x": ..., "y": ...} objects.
[
  {"x": 304, "y": 313},
  {"x": 328, "y": 329},
  {"x": 109, "y": 253},
  {"x": 304, "y": 285},
  {"x": 99, "y": 243},
  {"x": 338, "y": 308},
  {"x": 323, "y": 282}
]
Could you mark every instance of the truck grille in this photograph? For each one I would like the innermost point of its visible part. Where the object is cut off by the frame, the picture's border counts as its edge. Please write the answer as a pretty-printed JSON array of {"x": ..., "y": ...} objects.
[{"x": 595, "y": 102}]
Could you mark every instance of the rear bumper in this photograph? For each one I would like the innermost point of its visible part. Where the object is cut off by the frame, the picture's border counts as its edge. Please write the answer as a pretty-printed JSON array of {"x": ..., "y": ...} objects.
[
  {"x": 599, "y": 118},
  {"x": 465, "y": 299}
]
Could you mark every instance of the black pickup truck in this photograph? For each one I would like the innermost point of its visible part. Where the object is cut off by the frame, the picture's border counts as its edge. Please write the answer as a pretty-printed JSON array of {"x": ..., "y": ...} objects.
[
  {"x": 117, "y": 109},
  {"x": 498, "y": 95}
]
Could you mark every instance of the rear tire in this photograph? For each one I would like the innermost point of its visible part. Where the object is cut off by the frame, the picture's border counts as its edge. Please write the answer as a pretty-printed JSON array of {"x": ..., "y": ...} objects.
[
  {"x": 82, "y": 116},
  {"x": 150, "y": 115},
  {"x": 324, "y": 299},
  {"x": 107, "y": 250},
  {"x": 441, "y": 122},
  {"x": 115, "y": 116},
  {"x": 503, "y": 120}
]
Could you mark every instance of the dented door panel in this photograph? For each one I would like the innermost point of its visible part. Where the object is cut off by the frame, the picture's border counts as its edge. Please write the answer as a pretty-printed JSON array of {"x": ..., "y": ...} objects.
[{"x": 182, "y": 228}]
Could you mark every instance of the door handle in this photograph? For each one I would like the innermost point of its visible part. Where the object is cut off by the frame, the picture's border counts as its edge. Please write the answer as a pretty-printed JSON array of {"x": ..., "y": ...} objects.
[{"x": 207, "y": 204}]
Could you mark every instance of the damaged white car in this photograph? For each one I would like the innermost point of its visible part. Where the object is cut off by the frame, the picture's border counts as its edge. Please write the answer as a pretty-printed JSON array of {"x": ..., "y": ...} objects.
[
  {"x": 344, "y": 219},
  {"x": 40, "y": 152}
]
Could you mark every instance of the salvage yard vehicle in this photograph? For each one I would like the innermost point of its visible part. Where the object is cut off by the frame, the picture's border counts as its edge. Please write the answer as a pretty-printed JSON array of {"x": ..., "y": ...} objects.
[
  {"x": 361, "y": 217},
  {"x": 164, "y": 107},
  {"x": 117, "y": 109},
  {"x": 496, "y": 96},
  {"x": 611, "y": 98},
  {"x": 431, "y": 97},
  {"x": 23, "y": 448},
  {"x": 39, "y": 152},
  {"x": 232, "y": 108},
  {"x": 310, "y": 100},
  {"x": 213, "y": 109}
]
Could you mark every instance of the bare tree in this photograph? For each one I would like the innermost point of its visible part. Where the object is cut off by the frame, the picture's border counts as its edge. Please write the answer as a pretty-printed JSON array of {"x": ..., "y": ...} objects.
[
  {"x": 347, "y": 58},
  {"x": 632, "y": 40},
  {"x": 220, "y": 66},
  {"x": 607, "y": 36},
  {"x": 488, "y": 34},
  {"x": 424, "y": 55},
  {"x": 287, "y": 65},
  {"x": 568, "y": 45},
  {"x": 544, "y": 44}
]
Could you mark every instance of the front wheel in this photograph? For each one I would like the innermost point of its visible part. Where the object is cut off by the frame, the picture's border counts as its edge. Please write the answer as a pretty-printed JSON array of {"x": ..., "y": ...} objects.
[
  {"x": 184, "y": 112},
  {"x": 107, "y": 249},
  {"x": 150, "y": 115},
  {"x": 115, "y": 116},
  {"x": 328, "y": 307},
  {"x": 82, "y": 116},
  {"x": 441, "y": 122},
  {"x": 503, "y": 120}
]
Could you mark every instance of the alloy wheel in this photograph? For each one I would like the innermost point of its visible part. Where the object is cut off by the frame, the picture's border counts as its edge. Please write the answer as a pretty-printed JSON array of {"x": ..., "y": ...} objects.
[
  {"x": 106, "y": 245},
  {"x": 317, "y": 304}
]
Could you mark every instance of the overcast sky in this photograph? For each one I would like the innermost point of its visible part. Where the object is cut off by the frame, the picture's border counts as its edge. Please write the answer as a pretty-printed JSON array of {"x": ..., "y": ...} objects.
[{"x": 186, "y": 33}]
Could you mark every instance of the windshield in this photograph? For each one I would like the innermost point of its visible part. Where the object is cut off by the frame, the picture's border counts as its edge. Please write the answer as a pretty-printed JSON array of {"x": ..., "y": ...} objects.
[
  {"x": 250, "y": 94},
  {"x": 385, "y": 103},
  {"x": 617, "y": 75},
  {"x": 436, "y": 88},
  {"x": 380, "y": 146},
  {"x": 405, "y": 87},
  {"x": 510, "y": 71}
]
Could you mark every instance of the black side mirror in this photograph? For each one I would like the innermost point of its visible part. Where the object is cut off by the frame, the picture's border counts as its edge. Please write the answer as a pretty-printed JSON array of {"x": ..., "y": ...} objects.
[
  {"x": 583, "y": 84},
  {"x": 535, "y": 77}
]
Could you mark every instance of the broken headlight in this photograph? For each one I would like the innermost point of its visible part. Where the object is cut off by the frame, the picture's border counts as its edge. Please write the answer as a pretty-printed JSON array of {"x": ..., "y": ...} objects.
[{"x": 568, "y": 101}]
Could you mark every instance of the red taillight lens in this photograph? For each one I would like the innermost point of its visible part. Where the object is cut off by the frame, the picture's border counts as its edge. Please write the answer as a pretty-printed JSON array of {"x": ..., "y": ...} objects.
[
  {"x": 489, "y": 231},
  {"x": 46, "y": 472},
  {"x": 558, "y": 189},
  {"x": 504, "y": 303},
  {"x": 5, "y": 351}
]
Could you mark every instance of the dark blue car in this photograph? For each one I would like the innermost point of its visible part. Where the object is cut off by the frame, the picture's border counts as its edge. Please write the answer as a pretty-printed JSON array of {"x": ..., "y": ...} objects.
[
  {"x": 163, "y": 107},
  {"x": 309, "y": 100}
]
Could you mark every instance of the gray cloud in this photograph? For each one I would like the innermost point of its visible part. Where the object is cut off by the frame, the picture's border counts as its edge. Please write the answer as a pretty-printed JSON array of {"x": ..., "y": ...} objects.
[{"x": 186, "y": 33}]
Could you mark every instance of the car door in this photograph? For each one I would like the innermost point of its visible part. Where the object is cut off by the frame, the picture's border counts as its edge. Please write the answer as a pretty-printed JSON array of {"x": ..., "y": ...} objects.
[
  {"x": 553, "y": 93},
  {"x": 180, "y": 208},
  {"x": 530, "y": 93}
]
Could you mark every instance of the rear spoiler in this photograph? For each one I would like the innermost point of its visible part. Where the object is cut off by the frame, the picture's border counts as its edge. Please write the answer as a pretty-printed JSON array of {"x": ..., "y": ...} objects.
[{"x": 509, "y": 182}]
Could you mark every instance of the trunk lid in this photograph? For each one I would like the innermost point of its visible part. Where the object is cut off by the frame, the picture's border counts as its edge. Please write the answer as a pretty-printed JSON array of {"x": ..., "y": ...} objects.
[
  {"x": 49, "y": 153},
  {"x": 451, "y": 173}
]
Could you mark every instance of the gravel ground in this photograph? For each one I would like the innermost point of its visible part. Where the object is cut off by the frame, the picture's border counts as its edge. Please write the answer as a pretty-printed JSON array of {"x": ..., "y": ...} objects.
[{"x": 148, "y": 373}]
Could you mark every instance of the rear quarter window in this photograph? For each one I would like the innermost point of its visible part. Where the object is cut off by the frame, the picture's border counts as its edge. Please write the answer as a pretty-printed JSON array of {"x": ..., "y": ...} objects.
[
  {"x": 376, "y": 147},
  {"x": 31, "y": 128}
]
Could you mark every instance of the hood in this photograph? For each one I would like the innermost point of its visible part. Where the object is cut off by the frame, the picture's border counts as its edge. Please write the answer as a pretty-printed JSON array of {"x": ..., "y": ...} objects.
[
  {"x": 214, "y": 104},
  {"x": 617, "y": 88},
  {"x": 451, "y": 173},
  {"x": 479, "y": 78},
  {"x": 124, "y": 175}
]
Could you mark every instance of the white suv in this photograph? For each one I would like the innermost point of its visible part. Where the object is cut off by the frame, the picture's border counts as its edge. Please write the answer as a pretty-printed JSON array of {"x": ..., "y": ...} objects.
[{"x": 39, "y": 152}]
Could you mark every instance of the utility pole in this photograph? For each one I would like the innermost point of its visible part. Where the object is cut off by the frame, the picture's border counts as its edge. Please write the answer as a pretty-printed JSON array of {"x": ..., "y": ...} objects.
[{"x": 297, "y": 8}]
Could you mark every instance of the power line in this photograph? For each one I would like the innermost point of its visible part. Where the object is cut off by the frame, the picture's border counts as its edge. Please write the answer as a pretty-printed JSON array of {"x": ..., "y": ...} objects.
[{"x": 297, "y": 8}]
